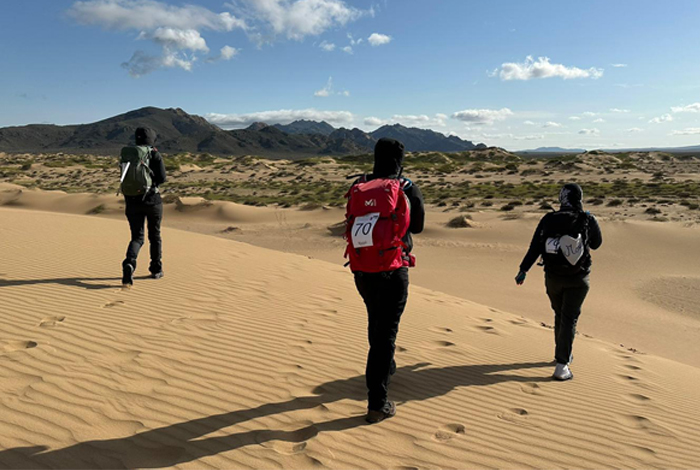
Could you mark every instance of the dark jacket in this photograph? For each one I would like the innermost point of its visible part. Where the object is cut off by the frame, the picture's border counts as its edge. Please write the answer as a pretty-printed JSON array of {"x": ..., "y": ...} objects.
[
  {"x": 561, "y": 222},
  {"x": 147, "y": 137}
]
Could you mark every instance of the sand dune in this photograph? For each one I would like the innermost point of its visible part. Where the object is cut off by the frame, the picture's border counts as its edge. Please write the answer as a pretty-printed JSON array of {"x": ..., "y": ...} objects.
[{"x": 248, "y": 357}]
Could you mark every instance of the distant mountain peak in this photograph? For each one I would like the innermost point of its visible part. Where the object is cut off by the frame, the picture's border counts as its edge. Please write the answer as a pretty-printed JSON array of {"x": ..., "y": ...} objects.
[{"x": 257, "y": 126}]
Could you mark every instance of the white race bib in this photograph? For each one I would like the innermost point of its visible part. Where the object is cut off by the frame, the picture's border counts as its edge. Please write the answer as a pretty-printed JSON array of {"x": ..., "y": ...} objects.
[
  {"x": 552, "y": 246},
  {"x": 362, "y": 230}
]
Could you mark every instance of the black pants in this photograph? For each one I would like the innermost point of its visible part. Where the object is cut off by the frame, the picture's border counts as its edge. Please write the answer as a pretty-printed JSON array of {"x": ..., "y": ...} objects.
[
  {"x": 566, "y": 295},
  {"x": 385, "y": 296},
  {"x": 137, "y": 214}
]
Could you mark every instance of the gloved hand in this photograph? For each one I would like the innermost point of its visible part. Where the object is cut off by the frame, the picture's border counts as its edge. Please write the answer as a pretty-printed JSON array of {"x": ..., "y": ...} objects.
[{"x": 520, "y": 278}]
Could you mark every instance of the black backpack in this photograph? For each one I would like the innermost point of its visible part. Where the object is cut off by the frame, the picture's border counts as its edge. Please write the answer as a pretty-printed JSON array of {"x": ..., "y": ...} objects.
[{"x": 565, "y": 242}]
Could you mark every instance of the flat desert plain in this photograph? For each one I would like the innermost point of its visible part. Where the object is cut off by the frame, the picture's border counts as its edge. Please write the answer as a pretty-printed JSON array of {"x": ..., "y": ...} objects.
[{"x": 250, "y": 352}]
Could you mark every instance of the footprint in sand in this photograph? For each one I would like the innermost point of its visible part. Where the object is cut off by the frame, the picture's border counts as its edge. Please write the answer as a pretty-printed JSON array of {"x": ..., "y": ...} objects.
[
  {"x": 113, "y": 304},
  {"x": 51, "y": 321},
  {"x": 515, "y": 415},
  {"x": 531, "y": 389},
  {"x": 644, "y": 424},
  {"x": 19, "y": 345},
  {"x": 487, "y": 329},
  {"x": 440, "y": 329},
  {"x": 286, "y": 442},
  {"x": 449, "y": 432},
  {"x": 639, "y": 398}
]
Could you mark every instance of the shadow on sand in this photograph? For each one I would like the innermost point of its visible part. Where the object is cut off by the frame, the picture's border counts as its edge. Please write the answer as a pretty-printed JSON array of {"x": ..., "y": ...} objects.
[
  {"x": 179, "y": 443},
  {"x": 84, "y": 282}
]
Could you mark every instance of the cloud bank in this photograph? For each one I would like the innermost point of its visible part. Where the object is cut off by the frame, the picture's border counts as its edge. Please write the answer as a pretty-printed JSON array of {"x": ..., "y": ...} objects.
[
  {"x": 282, "y": 116},
  {"x": 543, "y": 68}
]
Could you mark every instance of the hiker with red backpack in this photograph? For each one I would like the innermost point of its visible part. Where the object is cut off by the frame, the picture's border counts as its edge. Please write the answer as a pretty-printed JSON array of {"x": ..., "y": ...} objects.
[
  {"x": 142, "y": 172},
  {"x": 383, "y": 210},
  {"x": 564, "y": 239}
]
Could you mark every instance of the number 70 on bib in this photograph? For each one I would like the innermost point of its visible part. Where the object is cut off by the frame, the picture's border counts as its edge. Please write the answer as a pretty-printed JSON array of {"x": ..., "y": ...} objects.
[{"x": 362, "y": 230}]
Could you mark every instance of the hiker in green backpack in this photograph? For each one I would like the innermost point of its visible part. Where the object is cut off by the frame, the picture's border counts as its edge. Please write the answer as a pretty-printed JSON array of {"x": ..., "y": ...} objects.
[{"x": 142, "y": 172}]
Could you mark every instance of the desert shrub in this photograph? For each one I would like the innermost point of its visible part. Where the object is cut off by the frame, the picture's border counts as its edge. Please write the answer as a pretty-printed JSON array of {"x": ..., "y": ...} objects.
[
  {"x": 615, "y": 203},
  {"x": 652, "y": 211},
  {"x": 507, "y": 207},
  {"x": 97, "y": 210}
]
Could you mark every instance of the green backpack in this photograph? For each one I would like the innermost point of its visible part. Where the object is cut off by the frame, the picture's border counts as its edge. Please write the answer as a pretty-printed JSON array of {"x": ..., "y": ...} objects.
[{"x": 136, "y": 174}]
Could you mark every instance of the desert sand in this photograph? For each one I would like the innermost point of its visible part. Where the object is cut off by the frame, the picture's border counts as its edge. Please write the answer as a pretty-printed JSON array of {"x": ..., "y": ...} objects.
[{"x": 249, "y": 356}]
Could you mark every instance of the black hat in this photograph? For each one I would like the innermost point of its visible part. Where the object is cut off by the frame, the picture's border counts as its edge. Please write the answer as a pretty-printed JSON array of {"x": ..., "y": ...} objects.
[
  {"x": 145, "y": 136},
  {"x": 571, "y": 196},
  {"x": 388, "y": 157}
]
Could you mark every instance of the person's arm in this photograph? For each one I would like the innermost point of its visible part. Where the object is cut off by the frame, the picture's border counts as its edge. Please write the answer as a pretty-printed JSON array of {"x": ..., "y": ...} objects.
[
  {"x": 417, "y": 209},
  {"x": 535, "y": 249},
  {"x": 157, "y": 167},
  {"x": 595, "y": 237}
]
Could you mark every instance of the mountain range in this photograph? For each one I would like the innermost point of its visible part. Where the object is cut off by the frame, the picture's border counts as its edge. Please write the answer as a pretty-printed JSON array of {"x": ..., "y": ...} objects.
[{"x": 179, "y": 131}]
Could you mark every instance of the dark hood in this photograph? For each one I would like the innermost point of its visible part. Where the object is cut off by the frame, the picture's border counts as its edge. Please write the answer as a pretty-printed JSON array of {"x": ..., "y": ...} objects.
[
  {"x": 388, "y": 157},
  {"x": 571, "y": 197},
  {"x": 145, "y": 136}
]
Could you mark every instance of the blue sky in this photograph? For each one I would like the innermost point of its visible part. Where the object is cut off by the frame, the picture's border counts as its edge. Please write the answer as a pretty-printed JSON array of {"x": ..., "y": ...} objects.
[{"x": 517, "y": 74}]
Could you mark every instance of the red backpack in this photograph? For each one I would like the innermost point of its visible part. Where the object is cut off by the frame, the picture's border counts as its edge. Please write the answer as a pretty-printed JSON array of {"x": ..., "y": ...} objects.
[{"x": 377, "y": 217}]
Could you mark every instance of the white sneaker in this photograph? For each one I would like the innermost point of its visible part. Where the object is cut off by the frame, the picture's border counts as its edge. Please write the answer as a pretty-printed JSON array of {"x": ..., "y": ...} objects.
[{"x": 562, "y": 372}]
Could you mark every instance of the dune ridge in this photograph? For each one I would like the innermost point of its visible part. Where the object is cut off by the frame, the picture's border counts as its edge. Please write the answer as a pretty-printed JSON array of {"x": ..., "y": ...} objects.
[{"x": 248, "y": 357}]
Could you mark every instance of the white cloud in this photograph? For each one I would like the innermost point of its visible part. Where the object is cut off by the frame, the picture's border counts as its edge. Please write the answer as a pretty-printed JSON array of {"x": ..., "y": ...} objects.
[
  {"x": 147, "y": 15},
  {"x": 617, "y": 66},
  {"x": 326, "y": 90},
  {"x": 552, "y": 124},
  {"x": 574, "y": 118},
  {"x": 617, "y": 110},
  {"x": 590, "y": 114},
  {"x": 599, "y": 120},
  {"x": 512, "y": 136},
  {"x": 176, "y": 30},
  {"x": 282, "y": 116},
  {"x": 374, "y": 121},
  {"x": 687, "y": 131},
  {"x": 593, "y": 131},
  {"x": 662, "y": 118},
  {"x": 353, "y": 41},
  {"x": 529, "y": 123},
  {"x": 377, "y": 39},
  {"x": 482, "y": 116},
  {"x": 296, "y": 19},
  {"x": 542, "y": 68},
  {"x": 228, "y": 52},
  {"x": 529, "y": 137},
  {"x": 188, "y": 39},
  {"x": 143, "y": 64},
  {"x": 633, "y": 130},
  {"x": 327, "y": 46},
  {"x": 410, "y": 120},
  {"x": 691, "y": 108},
  {"x": 347, "y": 49}
]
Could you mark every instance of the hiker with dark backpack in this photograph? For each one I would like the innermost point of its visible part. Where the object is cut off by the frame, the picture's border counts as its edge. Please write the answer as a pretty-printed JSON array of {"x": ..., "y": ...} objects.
[
  {"x": 142, "y": 172},
  {"x": 564, "y": 239},
  {"x": 383, "y": 210}
]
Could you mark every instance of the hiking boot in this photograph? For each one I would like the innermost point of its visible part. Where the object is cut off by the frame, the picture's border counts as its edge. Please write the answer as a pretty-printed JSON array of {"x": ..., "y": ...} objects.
[
  {"x": 127, "y": 274},
  {"x": 562, "y": 372},
  {"x": 375, "y": 416},
  {"x": 157, "y": 275}
]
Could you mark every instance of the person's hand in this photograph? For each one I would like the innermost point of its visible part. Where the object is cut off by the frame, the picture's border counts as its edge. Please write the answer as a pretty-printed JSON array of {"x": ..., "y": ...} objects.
[{"x": 520, "y": 278}]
